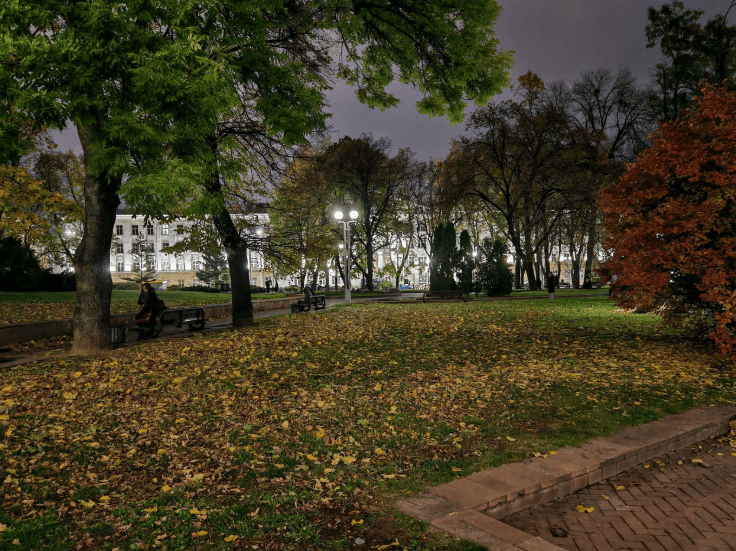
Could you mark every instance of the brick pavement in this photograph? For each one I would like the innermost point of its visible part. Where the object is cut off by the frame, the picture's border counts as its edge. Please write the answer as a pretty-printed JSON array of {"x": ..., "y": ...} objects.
[{"x": 673, "y": 505}]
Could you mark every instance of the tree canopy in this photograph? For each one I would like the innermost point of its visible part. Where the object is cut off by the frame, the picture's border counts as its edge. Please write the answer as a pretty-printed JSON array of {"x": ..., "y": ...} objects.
[{"x": 670, "y": 222}]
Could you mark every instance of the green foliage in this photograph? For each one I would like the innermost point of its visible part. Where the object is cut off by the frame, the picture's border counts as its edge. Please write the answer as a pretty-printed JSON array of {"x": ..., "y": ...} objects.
[
  {"x": 444, "y": 256},
  {"x": 465, "y": 262},
  {"x": 214, "y": 267},
  {"x": 494, "y": 276},
  {"x": 127, "y": 286},
  {"x": 19, "y": 269}
]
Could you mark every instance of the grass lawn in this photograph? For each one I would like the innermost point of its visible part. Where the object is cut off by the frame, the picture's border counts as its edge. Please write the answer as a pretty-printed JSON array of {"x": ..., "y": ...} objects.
[
  {"x": 302, "y": 431},
  {"x": 20, "y": 307}
]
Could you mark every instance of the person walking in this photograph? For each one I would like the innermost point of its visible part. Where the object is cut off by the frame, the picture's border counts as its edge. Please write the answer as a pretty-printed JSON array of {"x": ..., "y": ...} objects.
[{"x": 551, "y": 286}]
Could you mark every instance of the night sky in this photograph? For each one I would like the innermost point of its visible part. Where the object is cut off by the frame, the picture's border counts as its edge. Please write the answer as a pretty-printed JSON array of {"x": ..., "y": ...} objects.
[{"x": 556, "y": 39}]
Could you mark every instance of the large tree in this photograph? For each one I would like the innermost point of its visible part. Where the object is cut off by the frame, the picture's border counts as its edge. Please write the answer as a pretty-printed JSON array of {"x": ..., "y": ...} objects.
[
  {"x": 367, "y": 177},
  {"x": 670, "y": 221},
  {"x": 521, "y": 159},
  {"x": 128, "y": 73}
]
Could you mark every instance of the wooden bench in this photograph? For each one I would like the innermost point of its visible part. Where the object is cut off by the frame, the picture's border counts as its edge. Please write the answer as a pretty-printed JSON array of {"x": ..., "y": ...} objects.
[
  {"x": 445, "y": 295},
  {"x": 193, "y": 316},
  {"x": 310, "y": 299}
]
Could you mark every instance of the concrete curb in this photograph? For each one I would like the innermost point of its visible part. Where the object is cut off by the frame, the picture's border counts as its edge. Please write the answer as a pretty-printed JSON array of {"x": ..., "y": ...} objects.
[{"x": 469, "y": 507}]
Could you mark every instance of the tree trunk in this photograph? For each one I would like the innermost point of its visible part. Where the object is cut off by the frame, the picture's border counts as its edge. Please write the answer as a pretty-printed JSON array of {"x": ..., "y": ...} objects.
[
  {"x": 235, "y": 245},
  {"x": 369, "y": 263},
  {"x": 589, "y": 253},
  {"x": 519, "y": 274},
  {"x": 237, "y": 259},
  {"x": 92, "y": 258}
]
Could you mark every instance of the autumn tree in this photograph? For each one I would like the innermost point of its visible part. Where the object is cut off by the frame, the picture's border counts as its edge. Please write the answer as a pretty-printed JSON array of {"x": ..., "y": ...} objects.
[
  {"x": 670, "y": 222},
  {"x": 494, "y": 276}
]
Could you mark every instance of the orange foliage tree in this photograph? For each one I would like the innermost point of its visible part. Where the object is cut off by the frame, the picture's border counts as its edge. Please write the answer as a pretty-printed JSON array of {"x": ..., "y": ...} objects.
[{"x": 671, "y": 222}]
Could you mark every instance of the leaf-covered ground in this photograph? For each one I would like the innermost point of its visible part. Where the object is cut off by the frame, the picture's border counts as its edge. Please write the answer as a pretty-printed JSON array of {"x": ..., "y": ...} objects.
[
  {"x": 24, "y": 307},
  {"x": 302, "y": 431}
]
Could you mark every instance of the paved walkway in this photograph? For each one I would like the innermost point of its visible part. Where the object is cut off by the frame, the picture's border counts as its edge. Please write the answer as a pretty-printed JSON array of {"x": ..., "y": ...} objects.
[{"x": 673, "y": 504}]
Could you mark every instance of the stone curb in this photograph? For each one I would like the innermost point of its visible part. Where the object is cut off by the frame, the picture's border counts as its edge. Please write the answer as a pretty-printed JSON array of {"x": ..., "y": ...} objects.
[{"x": 470, "y": 507}]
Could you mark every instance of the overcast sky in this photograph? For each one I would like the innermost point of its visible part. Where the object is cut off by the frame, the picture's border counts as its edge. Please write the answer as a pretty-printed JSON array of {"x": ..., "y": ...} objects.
[{"x": 556, "y": 39}]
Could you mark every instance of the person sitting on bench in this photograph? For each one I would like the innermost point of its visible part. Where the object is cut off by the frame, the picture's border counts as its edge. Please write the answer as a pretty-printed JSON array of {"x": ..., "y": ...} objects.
[{"x": 146, "y": 316}]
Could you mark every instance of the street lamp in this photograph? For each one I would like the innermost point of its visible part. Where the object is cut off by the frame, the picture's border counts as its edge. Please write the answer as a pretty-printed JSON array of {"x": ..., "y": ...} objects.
[{"x": 338, "y": 214}]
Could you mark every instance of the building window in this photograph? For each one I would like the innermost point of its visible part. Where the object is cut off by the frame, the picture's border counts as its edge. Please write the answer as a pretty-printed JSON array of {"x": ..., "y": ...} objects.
[
  {"x": 180, "y": 264},
  {"x": 165, "y": 266},
  {"x": 180, "y": 229},
  {"x": 120, "y": 267},
  {"x": 135, "y": 248},
  {"x": 119, "y": 248},
  {"x": 119, "y": 230},
  {"x": 255, "y": 262},
  {"x": 254, "y": 281},
  {"x": 165, "y": 229},
  {"x": 164, "y": 245},
  {"x": 181, "y": 283},
  {"x": 422, "y": 260},
  {"x": 553, "y": 258},
  {"x": 567, "y": 275},
  {"x": 149, "y": 229},
  {"x": 150, "y": 248},
  {"x": 134, "y": 229}
]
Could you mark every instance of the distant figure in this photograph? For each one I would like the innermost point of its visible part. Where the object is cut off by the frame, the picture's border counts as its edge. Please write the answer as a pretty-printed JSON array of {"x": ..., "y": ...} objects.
[
  {"x": 551, "y": 286},
  {"x": 268, "y": 285},
  {"x": 276, "y": 287}
]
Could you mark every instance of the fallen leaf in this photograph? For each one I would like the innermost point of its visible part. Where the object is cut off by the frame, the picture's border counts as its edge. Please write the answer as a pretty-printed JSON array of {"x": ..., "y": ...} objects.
[
  {"x": 605, "y": 496},
  {"x": 231, "y": 538},
  {"x": 618, "y": 488},
  {"x": 583, "y": 509},
  {"x": 510, "y": 439}
]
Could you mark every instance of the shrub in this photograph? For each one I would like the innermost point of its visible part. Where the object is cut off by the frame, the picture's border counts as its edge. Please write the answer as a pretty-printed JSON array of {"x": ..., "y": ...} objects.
[
  {"x": 173, "y": 288},
  {"x": 201, "y": 289},
  {"x": 127, "y": 286},
  {"x": 494, "y": 275}
]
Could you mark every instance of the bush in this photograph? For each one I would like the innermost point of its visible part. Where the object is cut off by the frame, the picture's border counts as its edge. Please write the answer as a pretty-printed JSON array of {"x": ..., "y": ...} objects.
[
  {"x": 173, "y": 288},
  {"x": 58, "y": 282},
  {"x": 494, "y": 275},
  {"x": 127, "y": 286},
  {"x": 202, "y": 289}
]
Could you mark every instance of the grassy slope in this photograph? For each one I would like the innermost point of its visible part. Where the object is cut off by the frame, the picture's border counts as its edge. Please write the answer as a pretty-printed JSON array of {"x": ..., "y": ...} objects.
[{"x": 302, "y": 431}]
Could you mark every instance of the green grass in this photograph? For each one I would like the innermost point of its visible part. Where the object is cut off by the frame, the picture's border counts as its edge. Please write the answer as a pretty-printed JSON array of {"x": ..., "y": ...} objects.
[{"x": 288, "y": 431}]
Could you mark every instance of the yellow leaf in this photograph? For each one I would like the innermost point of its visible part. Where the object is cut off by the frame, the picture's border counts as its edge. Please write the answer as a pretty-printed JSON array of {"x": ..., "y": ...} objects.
[
  {"x": 734, "y": 454},
  {"x": 293, "y": 354},
  {"x": 77, "y": 374},
  {"x": 553, "y": 453},
  {"x": 605, "y": 496},
  {"x": 88, "y": 503},
  {"x": 618, "y": 488},
  {"x": 378, "y": 387},
  {"x": 379, "y": 451},
  {"x": 105, "y": 498},
  {"x": 4, "y": 417},
  {"x": 328, "y": 471},
  {"x": 151, "y": 510},
  {"x": 69, "y": 395},
  {"x": 393, "y": 544},
  {"x": 583, "y": 509},
  {"x": 231, "y": 538},
  {"x": 456, "y": 470},
  {"x": 3, "y": 527},
  {"x": 510, "y": 439},
  {"x": 389, "y": 476},
  {"x": 166, "y": 488},
  {"x": 348, "y": 460},
  {"x": 696, "y": 460},
  {"x": 647, "y": 466},
  {"x": 285, "y": 425},
  {"x": 393, "y": 409},
  {"x": 356, "y": 521},
  {"x": 195, "y": 511},
  {"x": 311, "y": 457},
  {"x": 199, "y": 534}
]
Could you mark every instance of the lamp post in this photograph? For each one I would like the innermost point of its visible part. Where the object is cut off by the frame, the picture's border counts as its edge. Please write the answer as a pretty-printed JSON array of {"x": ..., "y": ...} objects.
[{"x": 338, "y": 214}]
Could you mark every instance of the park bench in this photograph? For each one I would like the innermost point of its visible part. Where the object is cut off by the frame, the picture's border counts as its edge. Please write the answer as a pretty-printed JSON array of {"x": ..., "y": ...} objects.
[
  {"x": 563, "y": 284},
  {"x": 193, "y": 316},
  {"x": 445, "y": 295},
  {"x": 310, "y": 299}
]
